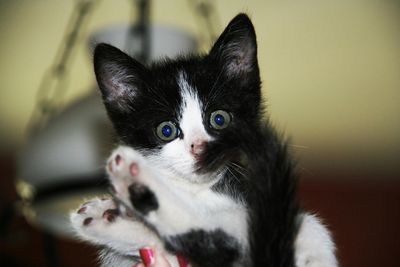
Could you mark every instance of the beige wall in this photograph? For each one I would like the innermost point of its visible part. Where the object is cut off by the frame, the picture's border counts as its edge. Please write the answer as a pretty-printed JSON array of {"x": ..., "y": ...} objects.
[{"x": 331, "y": 70}]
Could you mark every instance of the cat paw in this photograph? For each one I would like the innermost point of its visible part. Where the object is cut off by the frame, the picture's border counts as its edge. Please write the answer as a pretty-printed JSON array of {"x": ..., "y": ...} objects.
[
  {"x": 129, "y": 174},
  {"x": 94, "y": 216},
  {"x": 98, "y": 221}
]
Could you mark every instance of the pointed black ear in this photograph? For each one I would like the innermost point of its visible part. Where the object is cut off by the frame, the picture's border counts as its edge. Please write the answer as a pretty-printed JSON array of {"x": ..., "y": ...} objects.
[
  {"x": 236, "y": 48},
  {"x": 119, "y": 77}
]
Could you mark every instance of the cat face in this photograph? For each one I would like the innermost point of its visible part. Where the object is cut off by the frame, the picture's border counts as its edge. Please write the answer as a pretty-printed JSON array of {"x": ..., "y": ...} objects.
[{"x": 184, "y": 113}]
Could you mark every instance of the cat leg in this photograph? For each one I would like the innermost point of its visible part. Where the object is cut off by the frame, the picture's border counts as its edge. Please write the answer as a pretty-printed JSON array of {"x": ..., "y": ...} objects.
[
  {"x": 314, "y": 246},
  {"x": 141, "y": 188},
  {"x": 100, "y": 222},
  {"x": 188, "y": 222},
  {"x": 166, "y": 205}
]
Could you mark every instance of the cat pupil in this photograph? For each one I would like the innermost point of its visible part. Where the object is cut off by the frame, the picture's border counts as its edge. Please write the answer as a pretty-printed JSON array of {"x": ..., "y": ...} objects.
[
  {"x": 167, "y": 131},
  {"x": 219, "y": 119}
]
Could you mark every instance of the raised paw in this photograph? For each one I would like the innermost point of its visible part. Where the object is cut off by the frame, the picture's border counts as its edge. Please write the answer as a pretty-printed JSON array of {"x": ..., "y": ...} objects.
[
  {"x": 98, "y": 221},
  {"x": 93, "y": 216},
  {"x": 129, "y": 177}
]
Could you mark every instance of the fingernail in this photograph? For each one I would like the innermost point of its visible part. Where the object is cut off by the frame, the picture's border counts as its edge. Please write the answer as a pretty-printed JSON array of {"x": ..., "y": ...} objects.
[
  {"x": 182, "y": 261},
  {"x": 147, "y": 256}
]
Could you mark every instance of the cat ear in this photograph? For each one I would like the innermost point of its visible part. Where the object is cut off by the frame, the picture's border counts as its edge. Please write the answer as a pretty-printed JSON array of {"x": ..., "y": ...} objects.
[
  {"x": 236, "y": 48},
  {"x": 119, "y": 77}
]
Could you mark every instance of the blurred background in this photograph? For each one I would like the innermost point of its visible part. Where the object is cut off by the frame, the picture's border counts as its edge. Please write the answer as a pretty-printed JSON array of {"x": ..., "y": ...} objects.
[{"x": 331, "y": 80}]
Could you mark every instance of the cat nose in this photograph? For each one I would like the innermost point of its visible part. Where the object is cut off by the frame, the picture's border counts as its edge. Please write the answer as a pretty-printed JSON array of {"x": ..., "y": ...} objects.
[{"x": 197, "y": 147}]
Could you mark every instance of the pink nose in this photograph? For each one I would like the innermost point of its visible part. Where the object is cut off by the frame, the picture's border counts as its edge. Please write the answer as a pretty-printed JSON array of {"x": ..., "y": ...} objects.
[{"x": 198, "y": 147}]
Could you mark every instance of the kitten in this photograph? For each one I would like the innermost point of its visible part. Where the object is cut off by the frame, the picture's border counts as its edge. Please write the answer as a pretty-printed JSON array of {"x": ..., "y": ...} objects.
[{"x": 198, "y": 172}]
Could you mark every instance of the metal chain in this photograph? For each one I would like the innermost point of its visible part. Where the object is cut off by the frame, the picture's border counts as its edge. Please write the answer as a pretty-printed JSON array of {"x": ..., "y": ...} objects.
[
  {"x": 53, "y": 85},
  {"x": 207, "y": 18},
  {"x": 140, "y": 30}
]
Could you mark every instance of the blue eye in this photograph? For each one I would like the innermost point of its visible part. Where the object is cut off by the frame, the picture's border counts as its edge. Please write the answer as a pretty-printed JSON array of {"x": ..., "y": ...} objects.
[
  {"x": 167, "y": 131},
  {"x": 220, "y": 119}
]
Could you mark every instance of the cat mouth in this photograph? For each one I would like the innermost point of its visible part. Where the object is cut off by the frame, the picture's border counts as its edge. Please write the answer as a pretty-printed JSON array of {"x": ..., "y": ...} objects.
[
  {"x": 198, "y": 158},
  {"x": 202, "y": 165}
]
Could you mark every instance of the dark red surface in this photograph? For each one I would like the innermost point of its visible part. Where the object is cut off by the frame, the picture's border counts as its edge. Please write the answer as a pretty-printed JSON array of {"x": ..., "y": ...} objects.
[{"x": 363, "y": 216}]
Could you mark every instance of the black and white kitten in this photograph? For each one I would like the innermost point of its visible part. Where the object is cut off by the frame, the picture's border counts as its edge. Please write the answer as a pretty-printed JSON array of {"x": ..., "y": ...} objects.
[{"x": 199, "y": 173}]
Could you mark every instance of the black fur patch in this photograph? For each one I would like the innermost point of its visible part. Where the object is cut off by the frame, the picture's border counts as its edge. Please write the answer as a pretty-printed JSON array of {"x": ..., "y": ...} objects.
[
  {"x": 263, "y": 177},
  {"x": 205, "y": 248},
  {"x": 142, "y": 198}
]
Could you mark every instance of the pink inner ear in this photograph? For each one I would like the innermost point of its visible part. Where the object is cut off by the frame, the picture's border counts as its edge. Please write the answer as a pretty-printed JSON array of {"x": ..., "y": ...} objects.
[{"x": 240, "y": 57}]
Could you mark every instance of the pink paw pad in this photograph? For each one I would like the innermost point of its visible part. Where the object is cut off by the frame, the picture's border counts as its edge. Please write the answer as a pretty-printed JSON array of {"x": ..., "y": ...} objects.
[
  {"x": 111, "y": 214},
  {"x": 134, "y": 169}
]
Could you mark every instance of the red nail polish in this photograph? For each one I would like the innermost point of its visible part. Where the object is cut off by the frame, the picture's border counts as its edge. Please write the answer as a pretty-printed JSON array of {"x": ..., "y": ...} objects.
[
  {"x": 182, "y": 261},
  {"x": 147, "y": 256}
]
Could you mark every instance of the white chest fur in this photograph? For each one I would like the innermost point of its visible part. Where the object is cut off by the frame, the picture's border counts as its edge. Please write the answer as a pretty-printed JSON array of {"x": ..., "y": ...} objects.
[{"x": 185, "y": 206}]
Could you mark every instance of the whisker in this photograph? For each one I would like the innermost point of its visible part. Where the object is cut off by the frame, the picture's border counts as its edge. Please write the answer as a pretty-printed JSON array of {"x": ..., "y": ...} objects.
[
  {"x": 299, "y": 146},
  {"x": 242, "y": 171},
  {"x": 213, "y": 89}
]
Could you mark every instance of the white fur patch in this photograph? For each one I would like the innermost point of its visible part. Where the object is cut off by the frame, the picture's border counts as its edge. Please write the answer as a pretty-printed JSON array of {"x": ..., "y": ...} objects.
[
  {"x": 176, "y": 155},
  {"x": 191, "y": 121},
  {"x": 183, "y": 209},
  {"x": 314, "y": 246}
]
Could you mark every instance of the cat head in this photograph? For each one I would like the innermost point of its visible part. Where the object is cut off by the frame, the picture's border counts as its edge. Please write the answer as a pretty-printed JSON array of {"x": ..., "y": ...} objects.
[{"x": 185, "y": 112}]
